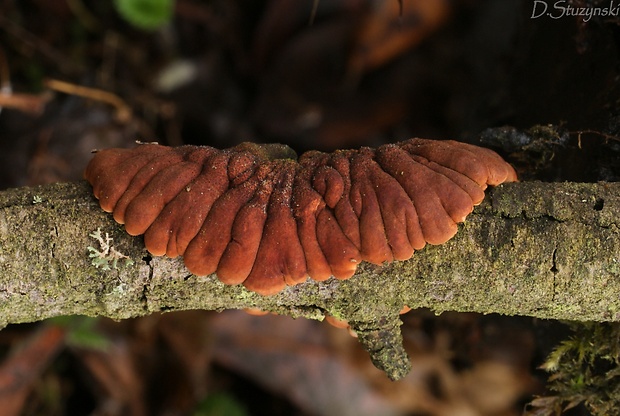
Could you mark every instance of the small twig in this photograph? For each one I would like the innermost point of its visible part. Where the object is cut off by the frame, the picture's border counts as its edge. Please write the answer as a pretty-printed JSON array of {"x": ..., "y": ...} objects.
[
  {"x": 5, "y": 74},
  {"x": 27, "y": 103},
  {"x": 81, "y": 12},
  {"x": 123, "y": 111},
  {"x": 5, "y": 77},
  {"x": 315, "y": 6},
  {"x": 32, "y": 41},
  {"x": 606, "y": 136}
]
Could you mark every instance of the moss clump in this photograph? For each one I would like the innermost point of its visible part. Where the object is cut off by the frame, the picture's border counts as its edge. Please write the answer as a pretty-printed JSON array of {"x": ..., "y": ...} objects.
[{"x": 585, "y": 368}]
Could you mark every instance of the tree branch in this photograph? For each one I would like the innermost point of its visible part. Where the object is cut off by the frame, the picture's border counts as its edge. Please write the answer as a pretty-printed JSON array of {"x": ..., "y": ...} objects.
[{"x": 550, "y": 250}]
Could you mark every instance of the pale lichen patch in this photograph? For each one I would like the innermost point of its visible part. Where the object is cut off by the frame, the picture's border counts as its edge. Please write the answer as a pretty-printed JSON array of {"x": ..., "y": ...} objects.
[{"x": 107, "y": 257}]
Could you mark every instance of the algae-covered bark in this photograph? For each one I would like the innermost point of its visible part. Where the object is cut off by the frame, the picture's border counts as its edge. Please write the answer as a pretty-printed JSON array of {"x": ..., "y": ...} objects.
[
  {"x": 550, "y": 250},
  {"x": 537, "y": 249}
]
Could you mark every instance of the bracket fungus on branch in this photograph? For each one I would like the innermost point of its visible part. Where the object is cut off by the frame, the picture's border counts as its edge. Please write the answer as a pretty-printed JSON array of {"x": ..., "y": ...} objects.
[{"x": 254, "y": 215}]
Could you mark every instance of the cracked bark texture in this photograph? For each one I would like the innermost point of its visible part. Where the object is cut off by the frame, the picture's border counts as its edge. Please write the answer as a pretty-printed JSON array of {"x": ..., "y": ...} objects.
[{"x": 549, "y": 250}]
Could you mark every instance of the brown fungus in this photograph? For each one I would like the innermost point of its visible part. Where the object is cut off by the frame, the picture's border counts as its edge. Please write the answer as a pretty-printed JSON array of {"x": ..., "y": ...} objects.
[{"x": 268, "y": 222}]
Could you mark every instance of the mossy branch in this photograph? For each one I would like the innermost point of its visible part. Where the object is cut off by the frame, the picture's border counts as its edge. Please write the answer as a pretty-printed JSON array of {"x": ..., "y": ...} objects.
[{"x": 550, "y": 250}]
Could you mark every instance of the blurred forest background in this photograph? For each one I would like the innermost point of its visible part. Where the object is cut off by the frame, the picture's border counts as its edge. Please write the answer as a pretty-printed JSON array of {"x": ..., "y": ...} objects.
[{"x": 78, "y": 75}]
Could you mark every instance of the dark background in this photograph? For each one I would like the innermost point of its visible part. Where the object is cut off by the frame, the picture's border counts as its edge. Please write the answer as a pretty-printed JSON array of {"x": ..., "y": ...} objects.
[{"x": 362, "y": 73}]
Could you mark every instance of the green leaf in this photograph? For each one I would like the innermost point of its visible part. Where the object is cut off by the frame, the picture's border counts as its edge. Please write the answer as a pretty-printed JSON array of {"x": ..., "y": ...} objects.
[
  {"x": 220, "y": 404},
  {"x": 82, "y": 332},
  {"x": 145, "y": 14}
]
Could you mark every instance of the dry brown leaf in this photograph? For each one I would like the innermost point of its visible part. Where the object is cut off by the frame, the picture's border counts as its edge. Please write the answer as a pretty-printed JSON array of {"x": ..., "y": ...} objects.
[
  {"x": 385, "y": 34},
  {"x": 23, "y": 368}
]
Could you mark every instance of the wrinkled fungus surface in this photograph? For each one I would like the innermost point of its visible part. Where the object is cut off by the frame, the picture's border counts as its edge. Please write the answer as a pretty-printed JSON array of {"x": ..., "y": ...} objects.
[{"x": 269, "y": 222}]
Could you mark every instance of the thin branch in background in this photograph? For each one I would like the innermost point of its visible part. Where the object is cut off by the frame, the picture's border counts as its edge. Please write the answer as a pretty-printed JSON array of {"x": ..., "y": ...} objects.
[
  {"x": 85, "y": 16},
  {"x": 21, "y": 35},
  {"x": 5, "y": 74},
  {"x": 606, "y": 136},
  {"x": 123, "y": 111},
  {"x": 5, "y": 77},
  {"x": 27, "y": 103},
  {"x": 315, "y": 6}
]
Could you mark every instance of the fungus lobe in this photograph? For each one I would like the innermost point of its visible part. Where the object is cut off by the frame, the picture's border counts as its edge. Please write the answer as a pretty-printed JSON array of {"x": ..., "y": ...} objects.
[{"x": 267, "y": 221}]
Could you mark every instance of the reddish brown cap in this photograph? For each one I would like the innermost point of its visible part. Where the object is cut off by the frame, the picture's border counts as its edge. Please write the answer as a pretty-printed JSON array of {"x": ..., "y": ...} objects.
[{"x": 268, "y": 223}]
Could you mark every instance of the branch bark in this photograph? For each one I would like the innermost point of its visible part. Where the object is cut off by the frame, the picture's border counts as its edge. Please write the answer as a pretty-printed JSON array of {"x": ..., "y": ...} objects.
[{"x": 549, "y": 250}]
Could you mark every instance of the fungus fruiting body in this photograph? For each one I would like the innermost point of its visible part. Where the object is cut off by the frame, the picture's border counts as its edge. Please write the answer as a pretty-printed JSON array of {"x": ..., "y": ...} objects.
[{"x": 268, "y": 222}]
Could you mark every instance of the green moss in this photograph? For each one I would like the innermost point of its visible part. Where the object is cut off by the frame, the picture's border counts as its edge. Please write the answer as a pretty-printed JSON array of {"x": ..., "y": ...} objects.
[{"x": 586, "y": 368}]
